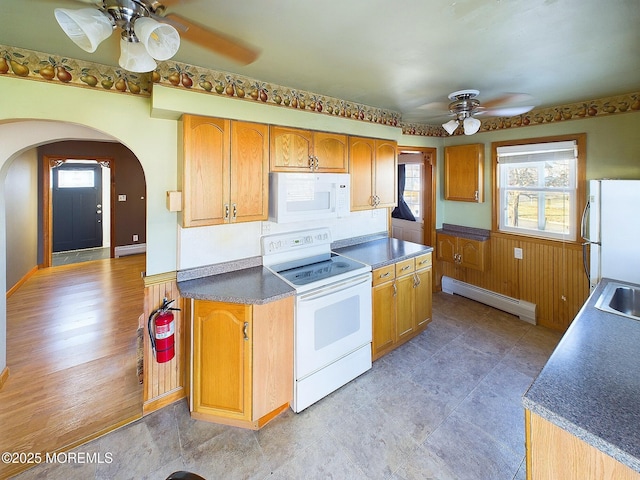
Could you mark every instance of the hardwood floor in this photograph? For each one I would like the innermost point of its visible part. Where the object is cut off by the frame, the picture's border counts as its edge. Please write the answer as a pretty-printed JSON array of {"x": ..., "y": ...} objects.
[{"x": 71, "y": 353}]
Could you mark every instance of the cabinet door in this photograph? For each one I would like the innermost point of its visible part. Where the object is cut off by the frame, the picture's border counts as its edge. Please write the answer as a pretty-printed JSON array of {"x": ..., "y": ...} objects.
[
  {"x": 423, "y": 291},
  {"x": 384, "y": 318},
  {"x": 446, "y": 247},
  {"x": 290, "y": 149},
  {"x": 463, "y": 173},
  {"x": 405, "y": 306},
  {"x": 249, "y": 183},
  {"x": 361, "y": 165},
  {"x": 472, "y": 253},
  {"x": 222, "y": 349},
  {"x": 205, "y": 176},
  {"x": 386, "y": 170},
  {"x": 331, "y": 151}
]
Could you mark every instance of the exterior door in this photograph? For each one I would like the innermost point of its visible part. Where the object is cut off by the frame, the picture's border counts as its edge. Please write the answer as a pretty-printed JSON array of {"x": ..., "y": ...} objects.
[{"x": 77, "y": 207}]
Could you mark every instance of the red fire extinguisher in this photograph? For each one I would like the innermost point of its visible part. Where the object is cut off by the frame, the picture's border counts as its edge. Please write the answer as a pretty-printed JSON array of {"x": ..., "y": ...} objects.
[{"x": 163, "y": 333}]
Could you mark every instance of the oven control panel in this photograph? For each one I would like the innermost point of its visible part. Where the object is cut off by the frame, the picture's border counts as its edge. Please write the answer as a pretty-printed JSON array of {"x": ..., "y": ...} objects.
[{"x": 285, "y": 242}]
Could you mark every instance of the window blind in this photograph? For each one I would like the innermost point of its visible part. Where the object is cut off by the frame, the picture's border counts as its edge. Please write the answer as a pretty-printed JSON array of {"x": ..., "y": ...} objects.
[{"x": 539, "y": 152}]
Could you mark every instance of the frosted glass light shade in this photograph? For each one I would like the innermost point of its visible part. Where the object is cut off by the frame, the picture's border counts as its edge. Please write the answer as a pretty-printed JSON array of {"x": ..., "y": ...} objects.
[
  {"x": 161, "y": 40},
  {"x": 450, "y": 126},
  {"x": 471, "y": 125},
  {"x": 135, "y": 58},
  {"x": 87, "y": 27}
]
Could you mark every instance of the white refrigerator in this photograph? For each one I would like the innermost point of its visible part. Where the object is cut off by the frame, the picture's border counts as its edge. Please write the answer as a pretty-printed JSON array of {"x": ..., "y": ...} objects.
[{"x": 611, "y": 231}]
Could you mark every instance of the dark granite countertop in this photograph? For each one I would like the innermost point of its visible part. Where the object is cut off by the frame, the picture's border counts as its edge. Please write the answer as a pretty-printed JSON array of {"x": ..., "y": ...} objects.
[
  {"x": 383, "y": 251},
  {"x": 590, "y": 386},
  {"x": 254, "y": 285},
  {"x": 461, "y": 231}
]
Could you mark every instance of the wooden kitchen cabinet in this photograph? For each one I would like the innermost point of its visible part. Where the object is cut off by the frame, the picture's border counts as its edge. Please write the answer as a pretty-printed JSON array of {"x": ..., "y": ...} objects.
[
  {"x": 401, "y": 303},
  {"x": 463, "y": 173},
  {"x": 552, "y": 452},
  {"x": 373, "y": 169},
  {"x": 464, "y": 252},
  {"x": 225, "y": 175},
  {"x": 241, "y": 361},
  {"x": 297, "y": 150}
]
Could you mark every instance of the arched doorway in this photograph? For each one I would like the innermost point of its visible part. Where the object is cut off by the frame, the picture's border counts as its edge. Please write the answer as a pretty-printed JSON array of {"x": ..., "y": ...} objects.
[{"x": 52, "y": 133}]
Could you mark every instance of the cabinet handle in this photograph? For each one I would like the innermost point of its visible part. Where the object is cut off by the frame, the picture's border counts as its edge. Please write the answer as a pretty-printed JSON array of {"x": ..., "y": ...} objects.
[
  {"x": 385, "y": 275},
  {"x": 311, "y": 162},
  {"x": 476, "y": 195},
  {"x": 406, "y": 267},
  {"x": 395, "y": 289},
  {"x": 226, "y": 211},
  {"x": 416, "y": 280},
  {"x": 235, "y": 211},
  {"x": 316, "y": 163},
  {"x": 244, "y": 330}
]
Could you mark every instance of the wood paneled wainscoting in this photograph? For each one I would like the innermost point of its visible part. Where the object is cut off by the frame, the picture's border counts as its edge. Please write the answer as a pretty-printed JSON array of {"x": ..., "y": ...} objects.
[
  {"x": 550, "y": 274},
  {"x": 164, "y": 383}
]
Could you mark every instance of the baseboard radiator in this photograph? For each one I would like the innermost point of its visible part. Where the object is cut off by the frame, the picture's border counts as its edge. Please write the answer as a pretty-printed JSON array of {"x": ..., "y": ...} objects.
[
  {"x": 525, "y": 310},
  {"x": 130, "y": 249}
]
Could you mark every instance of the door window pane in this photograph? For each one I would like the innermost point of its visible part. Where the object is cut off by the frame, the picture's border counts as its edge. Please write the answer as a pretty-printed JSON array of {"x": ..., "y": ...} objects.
[{"x": 80, "y": 178}]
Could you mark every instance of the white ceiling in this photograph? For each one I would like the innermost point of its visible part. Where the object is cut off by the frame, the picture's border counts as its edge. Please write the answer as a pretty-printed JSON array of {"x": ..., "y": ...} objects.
[{"x": 397, "y": 54}]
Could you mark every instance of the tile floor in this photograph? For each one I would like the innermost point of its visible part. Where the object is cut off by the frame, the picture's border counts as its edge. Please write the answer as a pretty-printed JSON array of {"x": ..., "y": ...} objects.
[
  {"x": 77, "y": 256},
  {"x": 446, "y": 405}
]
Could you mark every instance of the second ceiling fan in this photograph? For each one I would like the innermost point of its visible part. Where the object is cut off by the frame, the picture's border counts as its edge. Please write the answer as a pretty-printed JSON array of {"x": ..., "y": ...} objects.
[{"x": 465, "y": 106}]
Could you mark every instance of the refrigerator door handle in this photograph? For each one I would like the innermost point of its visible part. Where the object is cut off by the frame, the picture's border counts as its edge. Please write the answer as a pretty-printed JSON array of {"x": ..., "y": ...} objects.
[
  {"x": 585, "y": 263},
  {"x": 583, "y": 222}
]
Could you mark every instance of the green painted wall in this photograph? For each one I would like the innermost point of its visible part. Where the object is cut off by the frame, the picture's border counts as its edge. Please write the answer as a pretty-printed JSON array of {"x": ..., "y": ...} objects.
[{"x": 613, "y": 151}]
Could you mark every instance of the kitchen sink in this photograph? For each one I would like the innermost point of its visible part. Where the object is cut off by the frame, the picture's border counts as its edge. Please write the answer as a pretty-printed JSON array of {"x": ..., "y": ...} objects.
[{"x": 620, "y": 299}]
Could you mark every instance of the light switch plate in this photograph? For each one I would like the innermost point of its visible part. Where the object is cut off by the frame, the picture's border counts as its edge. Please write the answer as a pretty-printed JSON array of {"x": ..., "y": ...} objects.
[
  {"x": 122, "y": 198},
  {"x": 517, "y": 253}
]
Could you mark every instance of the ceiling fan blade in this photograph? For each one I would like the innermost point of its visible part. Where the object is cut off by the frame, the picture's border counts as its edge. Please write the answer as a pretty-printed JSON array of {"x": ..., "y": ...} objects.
[
  {"x": 504, "y": 112},
  {"x": 436, "y": 106},
  {"x": 217, "y": 42},
  {"x": 507, "y": 98}
]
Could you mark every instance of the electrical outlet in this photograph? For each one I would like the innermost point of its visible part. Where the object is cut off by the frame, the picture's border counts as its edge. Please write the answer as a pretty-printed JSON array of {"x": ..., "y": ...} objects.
[
  {"x": 517, "y": 253},
  {"x": 135, "y": 238}
]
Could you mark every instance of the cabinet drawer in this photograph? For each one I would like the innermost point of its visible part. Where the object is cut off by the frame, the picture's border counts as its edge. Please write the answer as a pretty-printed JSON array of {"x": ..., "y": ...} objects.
[
  {"x": 384, "y": 274},
  {"x": 405, "y": 266},
  {"x": 423, "y": 261}
]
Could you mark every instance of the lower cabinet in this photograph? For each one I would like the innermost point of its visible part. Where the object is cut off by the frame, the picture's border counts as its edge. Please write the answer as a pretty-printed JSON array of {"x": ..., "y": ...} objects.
[
  {"x": 401, "y": 302},
  {"x": 464, "y": 252},
  {"x": 554, "y": 453},
  {"x": 241, "y": 361}
]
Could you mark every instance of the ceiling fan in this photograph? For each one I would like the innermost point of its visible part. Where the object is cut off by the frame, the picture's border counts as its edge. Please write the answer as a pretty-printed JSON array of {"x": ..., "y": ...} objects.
[
  {"x": 148, "y": 34},
  {"x": 465, "y": 106}
]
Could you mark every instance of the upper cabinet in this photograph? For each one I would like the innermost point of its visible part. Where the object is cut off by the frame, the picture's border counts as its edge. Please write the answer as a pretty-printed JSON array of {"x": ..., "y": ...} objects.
[
  {"x": 225, "y": 173},
  {"x": 297, "y": 150},
  {"x": 373, "y": 169},
  {"x": 463, "y": 173}
]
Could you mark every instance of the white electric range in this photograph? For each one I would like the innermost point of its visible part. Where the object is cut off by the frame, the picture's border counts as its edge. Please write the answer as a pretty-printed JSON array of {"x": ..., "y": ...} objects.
[{"x": 333, "y": 326}]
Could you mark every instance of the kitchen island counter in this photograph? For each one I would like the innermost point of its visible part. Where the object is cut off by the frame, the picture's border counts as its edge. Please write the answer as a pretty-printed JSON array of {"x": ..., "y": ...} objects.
[
  {"x": 590, "y": 387},
  {"x": 382, "y": 251}
]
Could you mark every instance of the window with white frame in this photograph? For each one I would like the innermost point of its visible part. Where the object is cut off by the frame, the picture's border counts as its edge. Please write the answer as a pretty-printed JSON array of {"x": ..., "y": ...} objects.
[
  {"x": 537, "y": 189},
  {"x": 413, "y": 188}
]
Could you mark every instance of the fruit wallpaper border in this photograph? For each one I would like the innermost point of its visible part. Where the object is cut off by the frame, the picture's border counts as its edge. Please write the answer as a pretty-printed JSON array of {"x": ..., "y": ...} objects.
[{"x": 45, "y": 67}]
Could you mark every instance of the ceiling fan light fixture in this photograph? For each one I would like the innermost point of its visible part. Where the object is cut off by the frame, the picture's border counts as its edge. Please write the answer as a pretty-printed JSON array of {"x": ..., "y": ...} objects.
[
  {"x": 134, "y": 57},
  {"x": 161, "y": 40},
  {"x": 86, "y": 27},
  {"x": 471, "y": 125},
  {"x": 450, "y": 126}
]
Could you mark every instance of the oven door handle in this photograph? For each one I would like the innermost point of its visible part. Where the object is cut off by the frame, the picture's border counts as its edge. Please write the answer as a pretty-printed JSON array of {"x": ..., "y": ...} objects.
[{"x": 333, "y": 288}]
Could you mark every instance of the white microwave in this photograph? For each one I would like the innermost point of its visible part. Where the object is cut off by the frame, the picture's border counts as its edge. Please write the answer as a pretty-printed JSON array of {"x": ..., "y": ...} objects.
[{"x": 295, "y": 197}]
